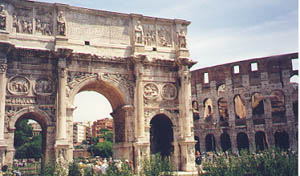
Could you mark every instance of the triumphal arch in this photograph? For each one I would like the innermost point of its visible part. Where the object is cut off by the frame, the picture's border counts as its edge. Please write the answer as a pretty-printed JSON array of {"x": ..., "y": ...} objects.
[{"x": 51, "y": 52}]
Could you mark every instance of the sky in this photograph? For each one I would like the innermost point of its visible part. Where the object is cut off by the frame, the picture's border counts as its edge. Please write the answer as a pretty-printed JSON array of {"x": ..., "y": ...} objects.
[{"x": 220, "y": 31}]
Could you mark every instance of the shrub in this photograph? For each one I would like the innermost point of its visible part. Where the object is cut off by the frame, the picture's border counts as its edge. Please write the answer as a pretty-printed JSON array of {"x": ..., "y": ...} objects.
[{"x": 157, "y": 166}]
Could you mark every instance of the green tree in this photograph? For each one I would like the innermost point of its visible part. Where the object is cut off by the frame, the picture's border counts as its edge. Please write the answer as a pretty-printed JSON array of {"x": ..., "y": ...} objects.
[
  {"x": 106, "y": 134},
  {"x": 23, "y": 133}
]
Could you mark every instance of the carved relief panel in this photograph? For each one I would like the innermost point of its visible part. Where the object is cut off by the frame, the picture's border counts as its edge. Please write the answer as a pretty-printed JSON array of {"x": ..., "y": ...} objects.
[
  {"x": 44, "y": 86},
  {"x": 169, "y": 92},
  {"x": 151, "y": 91},
  {"x": 149, "y": 34},
  {"x": 22, "y": 20},
  {"x": 3, "y": 16},
  {"x": 164, "y": 35},
  {"x": 18, "y": 85},
  {"x": 44, "y": 21}
]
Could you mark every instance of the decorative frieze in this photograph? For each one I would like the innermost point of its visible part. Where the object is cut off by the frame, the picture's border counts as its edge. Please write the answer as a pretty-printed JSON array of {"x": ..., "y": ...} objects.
[{"x": 20, "y": 100}]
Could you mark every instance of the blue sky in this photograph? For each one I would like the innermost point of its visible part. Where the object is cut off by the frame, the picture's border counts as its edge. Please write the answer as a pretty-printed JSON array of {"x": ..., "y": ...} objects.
[{"x": 221, "y": 31}]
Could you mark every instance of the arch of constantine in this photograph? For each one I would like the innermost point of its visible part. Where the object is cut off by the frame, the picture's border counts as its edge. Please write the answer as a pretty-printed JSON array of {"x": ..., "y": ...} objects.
[{"x": 51, "y": 52}]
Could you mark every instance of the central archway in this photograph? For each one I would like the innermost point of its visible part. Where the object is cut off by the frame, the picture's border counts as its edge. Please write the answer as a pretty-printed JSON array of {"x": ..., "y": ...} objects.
[
  {"x": 161, "y": 135},
  {"x": 119, "y": 99}
]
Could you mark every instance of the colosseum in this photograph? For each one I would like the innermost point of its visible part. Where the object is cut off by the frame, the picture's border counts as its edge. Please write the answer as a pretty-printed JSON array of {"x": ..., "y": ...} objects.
[{"x": 251, "y": 104}]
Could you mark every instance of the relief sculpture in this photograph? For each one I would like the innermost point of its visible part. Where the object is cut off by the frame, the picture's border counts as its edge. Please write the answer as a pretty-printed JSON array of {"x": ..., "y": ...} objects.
[
  {"x": 18, "y": 86},
  {"x": 164, "y": 35},
  {"x": 43, "y": 22},
  {"x": 61, "y": 24},
  {"x": 150, "y": 91},
  {"x": 149, "y": 35},
  {"x": 22, "y": 21},
  {"x": 139, "y": 33},
  {"x": 169, "y": 92},
  {"x": 44, "y": 86},
  {"x": 2, "y": 18}
]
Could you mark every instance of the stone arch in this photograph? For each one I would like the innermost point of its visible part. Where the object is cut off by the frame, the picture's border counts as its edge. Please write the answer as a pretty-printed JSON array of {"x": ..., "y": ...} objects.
[
  {"x": 223, "y": 109},
  {"x": 278, "y": 103},
  {"x": 239, "y": 107},
  {"x": 282, "y": 140},
  {"x": 161, "y": 135},
  {"x": 225, "y": 141},
  {"x": 208, "y": 109},
  {"x": 257, "y": 104},
  {"x": 210, "y": 143},
  {"x": 114, "y": 91},
  {"x": 242, "y": 141},
  {"x": 115, "y": 94},
  {"x": 260, "y": 141},
  {"x": 43, "y": 120}
]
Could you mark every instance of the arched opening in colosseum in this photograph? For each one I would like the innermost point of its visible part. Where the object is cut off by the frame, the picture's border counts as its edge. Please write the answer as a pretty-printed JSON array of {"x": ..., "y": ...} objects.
[
  {"x": 260, "y": 141},
  {"x": 210, "y": 143},
  {"x": 223, "y": 111},
  {"x": 294, "y": 81},
  {"x": 257, "y": 104},
  {"x": 278, "y": 105},
  {"x": 161, "y": 135},
  {"x": 239, "y": 107},
  {"x": 282, "y": 140},
  {"x": 208, "y": 109},
  {"x": 225, "y": 142},
  {"x": 30, "y": 138},
  {"x": 196, "y": 115},
  {"x": 197, "y": 145},
  {"x": 242, "y": 141}
]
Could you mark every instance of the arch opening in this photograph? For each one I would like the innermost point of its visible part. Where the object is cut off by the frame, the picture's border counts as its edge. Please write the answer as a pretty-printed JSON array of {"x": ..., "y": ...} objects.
[
  {"x": 30, "y": 138},
  {"x": 225, "y": 142},
  {"x": 210, "y": 142},
  {"x": 161, "y": 135},
  {"x": 197, "y": 145},
  {"x": 260, "y": 141},
  {"x": 282, "y": 140},
  {"x": 242, "y": 141}
]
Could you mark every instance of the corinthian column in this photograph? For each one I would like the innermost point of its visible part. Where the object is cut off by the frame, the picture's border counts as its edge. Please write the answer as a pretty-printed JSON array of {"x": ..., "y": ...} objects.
[
  {"x": 61, "y": 131},
  {"x": 139, "y": 100},
  {"x": 3, "y": 68}
]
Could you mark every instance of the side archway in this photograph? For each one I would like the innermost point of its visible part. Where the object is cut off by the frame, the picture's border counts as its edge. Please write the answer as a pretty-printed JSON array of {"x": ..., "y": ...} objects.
[
  {"x": 282, "y": 140},
  {"x": 242, "y": 141},
  {"x": 161, "y": 135},
  {"x": 210, "y": 143}
]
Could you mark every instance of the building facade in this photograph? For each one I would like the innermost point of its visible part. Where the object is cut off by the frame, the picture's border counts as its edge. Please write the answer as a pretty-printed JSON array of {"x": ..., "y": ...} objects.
[
  {"x": 81, "y": 132},
  {"x": 251, "y": 104},
  {"x": 49, "y": 52},
  {"x": 106, "y": 123}
]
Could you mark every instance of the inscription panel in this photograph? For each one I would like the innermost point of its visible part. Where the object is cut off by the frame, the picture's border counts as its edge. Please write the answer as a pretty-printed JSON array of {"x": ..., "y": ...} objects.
[{"x": 98, "y": 29}]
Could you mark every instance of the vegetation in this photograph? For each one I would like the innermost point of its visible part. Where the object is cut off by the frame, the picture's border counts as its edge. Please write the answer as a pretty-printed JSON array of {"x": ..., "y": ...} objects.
[
  {"x": 105, "y": 148},
  {"x": 156, "y": 165},
  {"x": 271, "y": 162},
  {"x": 27, "y": 145}
]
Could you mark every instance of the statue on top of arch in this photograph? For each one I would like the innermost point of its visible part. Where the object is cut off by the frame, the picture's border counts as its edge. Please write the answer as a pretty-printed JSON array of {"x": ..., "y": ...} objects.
[{"x": 2, "y": 18}]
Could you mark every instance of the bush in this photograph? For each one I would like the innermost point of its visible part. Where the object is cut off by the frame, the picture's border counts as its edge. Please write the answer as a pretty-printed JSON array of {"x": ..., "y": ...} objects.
[
  {"x": 269, "y": 162},
  {"x": 157, "y": 166}
]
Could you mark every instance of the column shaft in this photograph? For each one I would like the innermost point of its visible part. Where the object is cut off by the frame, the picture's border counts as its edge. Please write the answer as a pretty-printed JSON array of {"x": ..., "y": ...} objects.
[
  {"x": 2, "y": 99},
  {"x": 61, "y": 130}
]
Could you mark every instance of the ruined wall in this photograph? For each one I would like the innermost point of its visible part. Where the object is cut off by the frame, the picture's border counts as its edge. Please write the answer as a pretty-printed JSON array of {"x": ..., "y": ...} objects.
[{"x": 253, "y": 97}]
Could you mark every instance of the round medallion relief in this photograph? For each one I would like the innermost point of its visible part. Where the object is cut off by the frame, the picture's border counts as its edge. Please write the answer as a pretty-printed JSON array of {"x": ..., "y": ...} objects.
[
  {"x": 18, "y": 85},
  {"x": 44, "y": 86},
  {"x": 169, "y": 92},
  {"x": 150, "y": 91}
]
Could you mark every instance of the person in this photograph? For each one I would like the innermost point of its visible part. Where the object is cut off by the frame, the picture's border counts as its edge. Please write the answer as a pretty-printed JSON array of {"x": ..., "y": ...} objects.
[{"x": 198, "y": 158}]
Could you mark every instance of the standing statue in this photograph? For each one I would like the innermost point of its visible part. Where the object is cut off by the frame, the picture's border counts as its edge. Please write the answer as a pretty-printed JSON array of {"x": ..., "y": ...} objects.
[
  {"x": 61, "y": 24},
  {"x": 181, "y": 39},
  {"x": 2, "y": 18},
  {"x": 139, "y": 33}
]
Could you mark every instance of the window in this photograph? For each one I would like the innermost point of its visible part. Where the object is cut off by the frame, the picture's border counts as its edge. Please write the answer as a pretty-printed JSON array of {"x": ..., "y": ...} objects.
[
  {"x": 254, "y": 66},
  {"x": 236, "y": 69},
  {"x": 295, "y": 64},
  {"x": 206, "y": 80}
]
